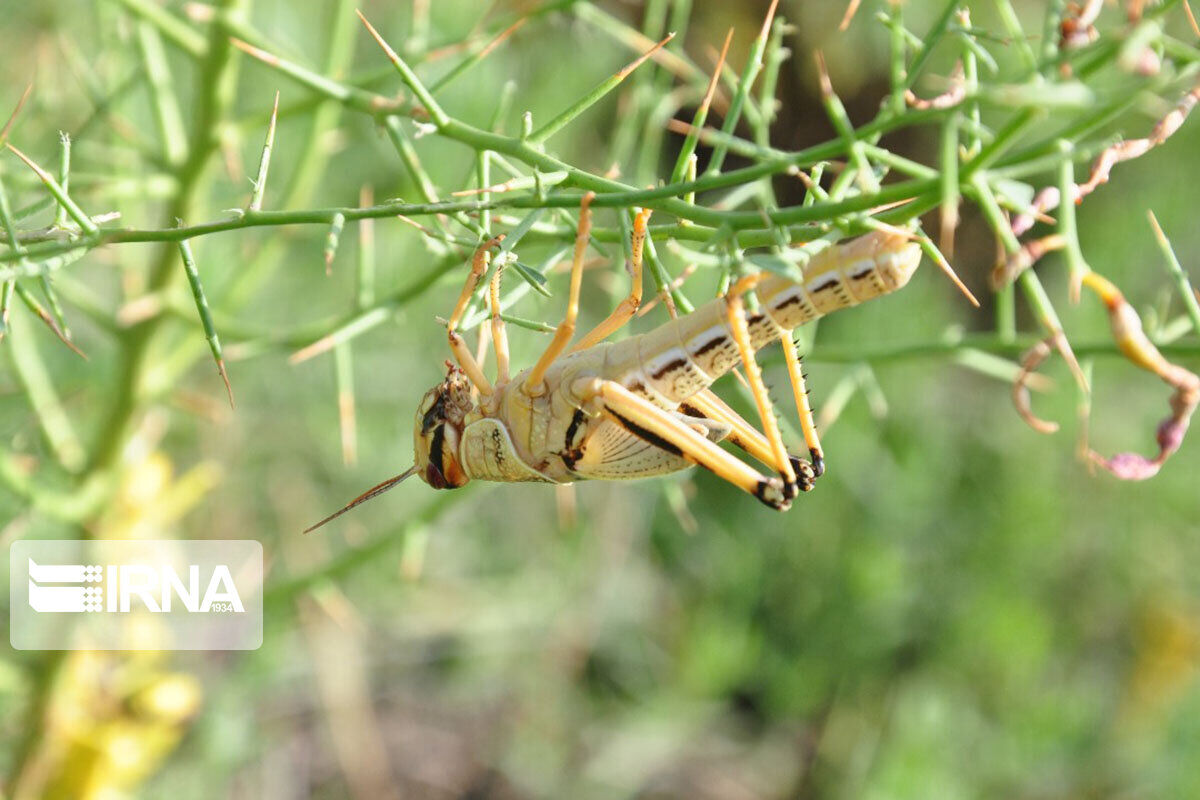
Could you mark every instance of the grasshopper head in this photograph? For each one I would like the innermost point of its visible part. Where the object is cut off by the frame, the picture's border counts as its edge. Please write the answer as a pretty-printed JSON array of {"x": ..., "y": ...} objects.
[
  {"x": 440, "y": 422},
  {"x": 439, "y": 426}
]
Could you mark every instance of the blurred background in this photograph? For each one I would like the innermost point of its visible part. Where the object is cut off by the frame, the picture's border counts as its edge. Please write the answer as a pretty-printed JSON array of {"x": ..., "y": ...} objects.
[{"x": 960, "y": 609}]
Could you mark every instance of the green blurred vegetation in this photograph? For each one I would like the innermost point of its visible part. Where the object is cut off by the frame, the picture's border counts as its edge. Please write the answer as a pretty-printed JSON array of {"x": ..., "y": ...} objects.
[{"x": 959, "y": 610}]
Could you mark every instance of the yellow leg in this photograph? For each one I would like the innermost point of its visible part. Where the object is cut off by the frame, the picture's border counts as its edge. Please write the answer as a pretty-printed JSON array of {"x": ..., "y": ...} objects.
[
  {"x": 462, "y": 353},
  {"x": 662, "y": 429},
  {"x": 741, "y": 335},
  {"x": 803, "y": 409},
  {"x": 534, "y": 384},
  {"x": 706, "y": 403},
  {"x": 499, "y": 333},
  {"x": 629, "y": 306}
]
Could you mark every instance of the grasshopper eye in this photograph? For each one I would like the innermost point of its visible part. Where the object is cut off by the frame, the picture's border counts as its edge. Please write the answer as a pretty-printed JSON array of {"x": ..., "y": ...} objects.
[
  {"x": 433, "y": 415},
  {"x": 434, "y": 474},
  {"x": 437, "y": 451},
  {"x": 442, "y": 470}
]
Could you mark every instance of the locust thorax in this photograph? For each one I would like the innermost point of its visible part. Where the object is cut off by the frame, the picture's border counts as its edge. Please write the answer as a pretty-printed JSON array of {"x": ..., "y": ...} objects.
[{"x": 441, "y": 418}]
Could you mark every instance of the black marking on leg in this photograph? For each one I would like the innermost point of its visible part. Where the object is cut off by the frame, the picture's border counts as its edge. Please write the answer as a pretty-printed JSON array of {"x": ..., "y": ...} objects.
[
  {"x": 760, "y": 491},
  {"x": 573, "y": 428},
  {"x": 806, "y": 473},
  {"x": 818, "y": 462},
  {"x": 642, "y": 433},
  {"x": 790, "y": 488},
  {"x": 570, "y": 454}
]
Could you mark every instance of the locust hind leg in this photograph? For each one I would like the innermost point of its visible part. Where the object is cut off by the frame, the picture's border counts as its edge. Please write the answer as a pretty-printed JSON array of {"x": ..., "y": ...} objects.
[
  {"x": 708, "y": 405},
  {"x": 736, "y": 319},
  {"x": 479, "y": 265},
  {"x": 667, "y": 431},
  {"x": 800, "y": 391}
]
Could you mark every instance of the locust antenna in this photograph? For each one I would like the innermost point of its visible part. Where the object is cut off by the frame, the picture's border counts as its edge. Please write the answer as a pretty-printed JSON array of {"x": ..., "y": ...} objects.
[{"x": 374, "y": 491}]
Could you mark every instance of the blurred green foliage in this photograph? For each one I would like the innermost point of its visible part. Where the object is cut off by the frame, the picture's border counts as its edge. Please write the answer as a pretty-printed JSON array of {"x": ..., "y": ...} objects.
[{"x": 958, "y": 610}]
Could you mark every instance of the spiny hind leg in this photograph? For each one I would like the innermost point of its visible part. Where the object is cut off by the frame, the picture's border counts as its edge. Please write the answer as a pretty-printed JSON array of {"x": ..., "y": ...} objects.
[
  {"x": 667, "y": 431},
  {"x": 800, "y": 391},
  {"x": 462, "y": 354},
  {"x": 736, "y": 319},
  {"x": 707, "y": 404},
  {"x": 629, "y": 306},
  {"x": 534, "y": 382}
]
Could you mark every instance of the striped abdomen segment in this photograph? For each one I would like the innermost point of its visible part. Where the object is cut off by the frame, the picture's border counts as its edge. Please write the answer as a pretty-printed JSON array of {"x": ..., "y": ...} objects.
[
  {"x": 840, "y": 276},
  {"x": 677, "y": 360}
]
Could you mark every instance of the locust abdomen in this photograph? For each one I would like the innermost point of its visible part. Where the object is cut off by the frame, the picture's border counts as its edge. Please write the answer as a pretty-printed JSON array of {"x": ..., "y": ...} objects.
[{"x": 670, "y": 364}]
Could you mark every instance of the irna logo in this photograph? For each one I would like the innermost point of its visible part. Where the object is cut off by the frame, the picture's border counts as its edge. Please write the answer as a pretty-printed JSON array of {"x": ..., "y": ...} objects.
[
  {"x": 136, "y": 595},
  {"x": 60, "y": 588}
]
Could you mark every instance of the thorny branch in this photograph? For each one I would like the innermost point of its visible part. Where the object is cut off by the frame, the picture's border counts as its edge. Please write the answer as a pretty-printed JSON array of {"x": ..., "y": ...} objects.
[
  {"x": 989, "y": 121},
  {"x": 711, "y": 219}
]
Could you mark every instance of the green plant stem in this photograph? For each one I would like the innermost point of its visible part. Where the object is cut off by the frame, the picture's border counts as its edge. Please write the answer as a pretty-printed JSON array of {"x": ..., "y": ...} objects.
[
  {"x": 216, "y": 80},
  {"x": 1067, "y": 228},
  {"x": 1008, "y": 16},
  {"x": 167, "y": 116},
  {"x": 311, "y": 161},
  {"x": 748, "y": 225},
  {"x": 35, "y": 380},
  {"x": 754, "y": 62},
  {"x": 987, "y": 343},
  {"x": 432, "y": 108},
  {"x": 206, "y": 321},
  {"x": 176, "y": 31},
  {"x": 1178, "y": 274},
  {"x": 591, "y": 98},
  {"x": 264, "y": 161},
  {"x": 936, "y": 31},
  {"x": 64, "y": 176},
  {"x": 60, "y": 194}
]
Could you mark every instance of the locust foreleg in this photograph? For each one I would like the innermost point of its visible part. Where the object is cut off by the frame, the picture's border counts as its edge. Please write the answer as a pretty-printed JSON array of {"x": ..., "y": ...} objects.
[{"x": 462, "y": 353}]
